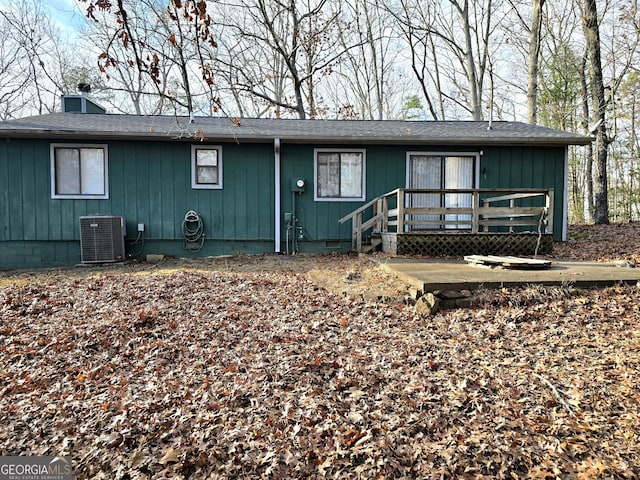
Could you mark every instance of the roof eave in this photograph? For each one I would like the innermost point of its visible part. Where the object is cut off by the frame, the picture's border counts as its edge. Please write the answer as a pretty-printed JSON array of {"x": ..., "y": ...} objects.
[
  {"x": 395, "y": 140},
  {"x": 84, "y": 136},
  {"x": 469, "y": 141}
]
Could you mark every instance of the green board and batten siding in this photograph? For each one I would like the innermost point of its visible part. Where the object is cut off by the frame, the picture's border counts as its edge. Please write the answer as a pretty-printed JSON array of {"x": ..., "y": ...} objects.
[
  {"x": 150, "y": 183},
  {"x": 499, "y": 167},
  {"x": 527, "y": 167},
  {"x": 385, "y": 170}
]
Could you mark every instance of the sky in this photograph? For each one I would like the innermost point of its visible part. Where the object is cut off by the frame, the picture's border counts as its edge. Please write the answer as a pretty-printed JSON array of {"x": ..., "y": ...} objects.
[{"x": 67, "y": 14}]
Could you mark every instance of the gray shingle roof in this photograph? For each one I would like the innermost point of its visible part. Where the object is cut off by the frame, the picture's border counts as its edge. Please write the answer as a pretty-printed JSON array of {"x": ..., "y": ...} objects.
[{"x": 84, "y": 126}]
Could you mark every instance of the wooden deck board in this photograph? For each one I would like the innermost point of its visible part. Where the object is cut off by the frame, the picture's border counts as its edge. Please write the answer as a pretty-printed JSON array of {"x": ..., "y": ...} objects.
[{"x": 507, "y": 262}]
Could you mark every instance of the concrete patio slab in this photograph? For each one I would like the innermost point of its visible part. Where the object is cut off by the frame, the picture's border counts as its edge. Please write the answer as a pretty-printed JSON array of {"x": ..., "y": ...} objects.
[{"x": 431, "y": 275}]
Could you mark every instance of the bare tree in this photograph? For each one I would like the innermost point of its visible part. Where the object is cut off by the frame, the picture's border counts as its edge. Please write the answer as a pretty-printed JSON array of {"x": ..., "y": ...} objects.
[
  {"x": 366, "y": 84},
  {"x": 36, "y": 63},
  {"x": 619, "y": 34},
  {"x": 129, "y": 92},
  {"x": 131, "y": 88},
  {"x": 283, "y": 50},
  {"x": 591, "y": 27},
  {"x": 625, "y": 152},
  {"x": 413, "y": 21},
  {"x": 451, "y": 44},
  {"x": 14, "y": 76},
  {"x": 172, "y": 47}
]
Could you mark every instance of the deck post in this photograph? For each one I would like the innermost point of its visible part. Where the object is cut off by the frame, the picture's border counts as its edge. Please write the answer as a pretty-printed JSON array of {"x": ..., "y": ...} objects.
[
  {"x": 377, "y": 211},
  {"x": 549, "y": 206},
  {"x": 475, "y": 217},
  {"x": 384, "y": 226},
  {"x": 400, "y": 202},
  {"x": 357, "y": 233},
  {"x": 485, "y": 203},
  {"x": 512, "y": 204}
]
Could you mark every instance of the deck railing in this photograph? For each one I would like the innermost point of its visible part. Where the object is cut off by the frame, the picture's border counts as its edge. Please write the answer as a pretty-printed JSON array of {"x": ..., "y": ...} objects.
[{"x": 461, "y": 210}]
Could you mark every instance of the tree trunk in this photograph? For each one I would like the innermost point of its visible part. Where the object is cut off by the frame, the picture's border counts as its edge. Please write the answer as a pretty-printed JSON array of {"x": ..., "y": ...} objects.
[
  {"x": 592, "y": 36},
  {"x": 534, "y": 56},
  {"x": 588, "y": 167},
  {"x": 472, "y": 77}
]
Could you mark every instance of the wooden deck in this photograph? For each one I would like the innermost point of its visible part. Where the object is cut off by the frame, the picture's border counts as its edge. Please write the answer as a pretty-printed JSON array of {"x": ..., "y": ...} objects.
[{"x": 475, "y": 220}]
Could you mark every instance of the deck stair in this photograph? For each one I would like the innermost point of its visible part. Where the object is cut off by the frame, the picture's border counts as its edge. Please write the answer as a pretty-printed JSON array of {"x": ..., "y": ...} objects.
[{"x": 372, "y": 243}]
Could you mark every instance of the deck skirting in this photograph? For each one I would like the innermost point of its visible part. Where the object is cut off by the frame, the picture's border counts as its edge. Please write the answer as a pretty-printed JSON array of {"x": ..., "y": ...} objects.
[{"x": 440, "y": 244}]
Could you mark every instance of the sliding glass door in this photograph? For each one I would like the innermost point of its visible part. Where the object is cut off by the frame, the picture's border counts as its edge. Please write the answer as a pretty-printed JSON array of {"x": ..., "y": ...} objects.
[{"x": 440, "y": 172}]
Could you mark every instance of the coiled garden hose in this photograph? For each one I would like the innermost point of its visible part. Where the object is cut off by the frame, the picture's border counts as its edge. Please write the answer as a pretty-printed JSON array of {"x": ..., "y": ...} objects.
[{"x": 193, "y": 231}]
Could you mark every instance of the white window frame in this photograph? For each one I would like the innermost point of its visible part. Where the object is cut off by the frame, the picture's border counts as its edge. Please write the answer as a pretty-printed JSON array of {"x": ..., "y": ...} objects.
[
  {"x": 194, "y": 168},
  {"x": 102, "y": 147},
  {"x": 317, "y": 197}
]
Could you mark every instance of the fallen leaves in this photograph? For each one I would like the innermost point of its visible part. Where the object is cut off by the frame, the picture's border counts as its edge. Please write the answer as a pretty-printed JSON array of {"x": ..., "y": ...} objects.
[
  {"x": 216, "y": 373},
  {"x": 615, "y": 242},
  {"x": 171, "y": 455}
]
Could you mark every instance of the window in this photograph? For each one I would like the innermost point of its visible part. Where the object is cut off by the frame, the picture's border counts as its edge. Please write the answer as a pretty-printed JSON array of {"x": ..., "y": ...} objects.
[
  {"x": 206, "y": 166},
  {"x": 79, "y": 171},
  {"x": 339, "y": 174}
]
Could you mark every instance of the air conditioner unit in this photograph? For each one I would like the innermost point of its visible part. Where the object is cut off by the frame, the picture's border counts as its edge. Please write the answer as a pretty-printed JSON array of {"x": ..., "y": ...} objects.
[{"x": 102, "y": 239}]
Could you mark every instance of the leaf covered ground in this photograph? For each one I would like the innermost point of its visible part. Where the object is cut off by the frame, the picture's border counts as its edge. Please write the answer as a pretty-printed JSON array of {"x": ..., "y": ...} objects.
[
  {"x": 618, "y": 241},
  {"x": 251, "y": 368}
]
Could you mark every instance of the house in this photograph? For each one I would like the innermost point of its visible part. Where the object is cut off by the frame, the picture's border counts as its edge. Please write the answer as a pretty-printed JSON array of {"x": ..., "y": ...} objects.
[{"x": 210, "y": 186}]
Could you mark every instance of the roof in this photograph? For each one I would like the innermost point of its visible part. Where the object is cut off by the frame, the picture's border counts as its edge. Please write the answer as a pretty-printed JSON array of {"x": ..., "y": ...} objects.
[{"x": 85, "y": 126}]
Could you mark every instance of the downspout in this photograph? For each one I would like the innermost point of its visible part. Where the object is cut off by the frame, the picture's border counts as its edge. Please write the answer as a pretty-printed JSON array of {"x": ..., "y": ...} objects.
[{"x": 278, "y": 216}]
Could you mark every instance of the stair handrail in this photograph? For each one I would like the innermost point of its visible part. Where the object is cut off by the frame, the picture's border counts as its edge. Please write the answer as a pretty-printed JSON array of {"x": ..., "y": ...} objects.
[
  {"x": 378, "y": 217},
  {"x": 368, "y": 205}
]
